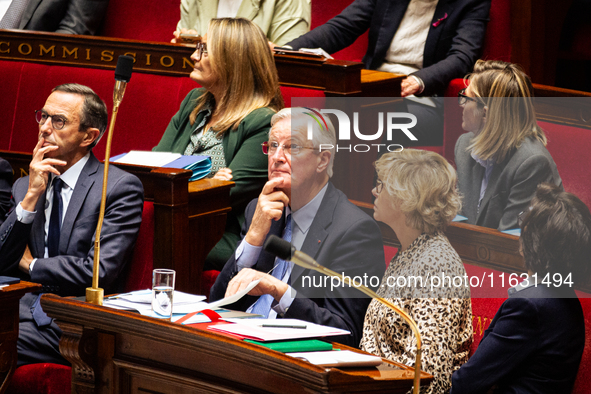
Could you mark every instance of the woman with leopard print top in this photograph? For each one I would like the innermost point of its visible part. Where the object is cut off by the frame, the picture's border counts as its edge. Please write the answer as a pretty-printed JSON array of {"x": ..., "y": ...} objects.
[{"x": 416, "y": 196}]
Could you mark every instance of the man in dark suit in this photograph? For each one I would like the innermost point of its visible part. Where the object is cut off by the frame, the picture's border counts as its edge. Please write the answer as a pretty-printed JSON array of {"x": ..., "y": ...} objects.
[
  {"x": 301, "y": 204},
  {"x": 59, "y": 16},
  {"x": 453, "y": 42},
  {"x": 48, "y": 237},
  {"x": 5, "y": 193}
]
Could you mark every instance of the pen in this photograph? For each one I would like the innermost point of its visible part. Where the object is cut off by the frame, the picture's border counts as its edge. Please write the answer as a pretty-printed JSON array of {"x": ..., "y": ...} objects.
[{"x": 283, "y": 326}]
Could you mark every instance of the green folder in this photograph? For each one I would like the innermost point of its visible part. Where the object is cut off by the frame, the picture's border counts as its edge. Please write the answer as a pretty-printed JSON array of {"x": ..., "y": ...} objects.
[{"x": 306, "y": 345}]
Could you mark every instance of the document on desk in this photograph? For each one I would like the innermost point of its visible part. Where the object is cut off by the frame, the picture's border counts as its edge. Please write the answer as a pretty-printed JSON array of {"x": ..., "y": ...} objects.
[
  {"x": 339, "y": 358},
  {"x": 276, "y": 329},
  {"x": 141, "y": 301}
]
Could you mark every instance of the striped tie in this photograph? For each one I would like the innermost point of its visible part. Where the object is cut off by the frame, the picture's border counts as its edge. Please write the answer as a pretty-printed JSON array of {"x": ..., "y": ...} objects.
[{"x": 263, "y": 305}]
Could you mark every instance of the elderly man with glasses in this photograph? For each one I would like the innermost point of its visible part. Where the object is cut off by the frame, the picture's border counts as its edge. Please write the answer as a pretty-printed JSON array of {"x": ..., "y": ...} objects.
[
  {"x": 48, "y": 237},
  {"x": 300, "y": 204}
]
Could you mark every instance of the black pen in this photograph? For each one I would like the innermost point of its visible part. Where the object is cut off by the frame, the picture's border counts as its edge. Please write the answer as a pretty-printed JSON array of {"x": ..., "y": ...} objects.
[{"x": 283, "y": 326}]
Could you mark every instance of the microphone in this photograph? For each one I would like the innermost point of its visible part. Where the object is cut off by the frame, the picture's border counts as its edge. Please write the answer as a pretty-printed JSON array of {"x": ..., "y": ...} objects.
[
  {"x": 122, "y": 76},
  {"x": 95, "y": 294},
  {"x": 285, "y": 251}
]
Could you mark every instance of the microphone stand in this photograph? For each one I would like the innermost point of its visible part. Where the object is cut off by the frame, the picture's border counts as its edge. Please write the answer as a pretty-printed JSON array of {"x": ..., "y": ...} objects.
[
  {"x": 273, "y": 245},
  {"x": 95, "y": 294}
]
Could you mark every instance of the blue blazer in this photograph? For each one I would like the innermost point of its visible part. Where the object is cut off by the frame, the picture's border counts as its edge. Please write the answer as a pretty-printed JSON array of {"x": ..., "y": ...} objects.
[
  {"x": 342, "y": 238},
  {"x": 70, "y": 273},
  {"x": 453, "y": 45},
  {"x": 534, "y": 344}
]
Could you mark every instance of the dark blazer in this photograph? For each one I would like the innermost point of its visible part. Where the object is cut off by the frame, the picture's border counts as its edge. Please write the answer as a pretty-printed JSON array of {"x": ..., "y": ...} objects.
[
  {"x": 64, "y": 16},
  {"x": 511, "y": 186},
  {"x": 534, "y": 344},
  {"x": 342, "y": 238},
  {"x": 452, "y": 47},
  {"x": 5, "y": 192},
  {"x": 70, "y": 273}
]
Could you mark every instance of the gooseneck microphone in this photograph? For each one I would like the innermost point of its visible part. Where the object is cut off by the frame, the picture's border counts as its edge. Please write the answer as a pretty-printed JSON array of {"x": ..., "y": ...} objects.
[
  {"x": 285, "y": 251},
  {"x": 123, "y": 71}
]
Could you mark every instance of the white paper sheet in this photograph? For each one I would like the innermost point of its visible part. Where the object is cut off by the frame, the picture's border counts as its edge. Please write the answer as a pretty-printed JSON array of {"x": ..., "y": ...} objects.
[
  {"x": 338, "y": 358},
  {"x": 148, "y": 158},
  {"x": 253, "y": 328}
]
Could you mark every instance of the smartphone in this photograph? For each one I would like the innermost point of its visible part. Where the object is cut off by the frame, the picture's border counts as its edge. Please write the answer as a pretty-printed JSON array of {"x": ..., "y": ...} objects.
[{"x": 190, "y": 38}]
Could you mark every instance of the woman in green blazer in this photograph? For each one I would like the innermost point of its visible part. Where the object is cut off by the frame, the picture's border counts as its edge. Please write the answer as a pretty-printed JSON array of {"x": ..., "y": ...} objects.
[{"x": 229, "y": 118}]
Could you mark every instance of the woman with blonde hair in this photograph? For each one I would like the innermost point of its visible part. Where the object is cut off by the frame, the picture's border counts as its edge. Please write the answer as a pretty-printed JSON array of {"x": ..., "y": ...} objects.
[
  {"x": 503, "y": 157},
  {"x": 229, "y": 117},
  {"x": 416, "y": 196}
]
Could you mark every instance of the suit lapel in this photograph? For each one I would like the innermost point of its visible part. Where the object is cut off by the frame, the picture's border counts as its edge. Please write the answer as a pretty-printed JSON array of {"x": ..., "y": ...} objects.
[
  {"x": 248, "y": 9},
  {"x": 208, "y": 9},
  {"x": 491, "y": 187},
  {"x": 31, "y": 7},
  {"x": 392, "y": 13},
  {"x": 318, "y": 229},
  {"x": 37, "y": 244},
  {"x": 444, "y": 7},
  {"x": 475, "y": 183},
  {"x": 83, "y": 185}
]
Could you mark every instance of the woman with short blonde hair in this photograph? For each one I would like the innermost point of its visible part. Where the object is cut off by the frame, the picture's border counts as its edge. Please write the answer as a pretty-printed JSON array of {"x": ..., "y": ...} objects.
[
  {"x": 424, "y": 185},
  {"x": 503, "y": 157},
  {"x": 229, "y": 117},
  {"x": 416, "y": 196}
]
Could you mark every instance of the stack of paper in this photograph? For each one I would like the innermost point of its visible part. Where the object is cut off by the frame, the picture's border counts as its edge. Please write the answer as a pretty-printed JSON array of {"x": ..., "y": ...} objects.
[
  {"x": 276, "y": 329},
  {"x": 199, "y": 165},
  {"x": 141, "y": 301},
  {"x": 339, "y": 358}
]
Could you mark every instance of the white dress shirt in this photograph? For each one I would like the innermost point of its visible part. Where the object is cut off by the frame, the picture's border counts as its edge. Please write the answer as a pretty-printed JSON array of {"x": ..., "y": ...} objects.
[{"x": 228, "y": 8}]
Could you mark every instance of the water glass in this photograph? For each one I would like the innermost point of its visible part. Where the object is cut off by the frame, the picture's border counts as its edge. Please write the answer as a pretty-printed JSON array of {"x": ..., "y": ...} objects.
[{"x": 162, "y": 292}]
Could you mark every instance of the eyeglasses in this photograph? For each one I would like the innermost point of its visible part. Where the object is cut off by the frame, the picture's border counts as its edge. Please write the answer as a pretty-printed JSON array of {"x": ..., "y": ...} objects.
[
  {"x": 379, "y": 186},
  {"x": 201, "y": 48},
  {"x": 463, "y": 99},
  {"x": 57, "y": 121},
  {"x": 269, "y": 148}
]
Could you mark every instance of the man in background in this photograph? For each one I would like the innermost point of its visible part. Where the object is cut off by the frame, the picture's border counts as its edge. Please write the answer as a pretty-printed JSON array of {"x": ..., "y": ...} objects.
[{"x": 82, "y": 17}]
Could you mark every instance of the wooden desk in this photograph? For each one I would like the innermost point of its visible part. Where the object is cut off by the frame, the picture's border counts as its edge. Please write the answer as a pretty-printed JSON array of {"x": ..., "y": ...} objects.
[
  {"x": 182, "y": 210},
  {"x": 122, "y": 352},
  {"x": 334, "y": 77},
  {"x": 9, "y": 301}
]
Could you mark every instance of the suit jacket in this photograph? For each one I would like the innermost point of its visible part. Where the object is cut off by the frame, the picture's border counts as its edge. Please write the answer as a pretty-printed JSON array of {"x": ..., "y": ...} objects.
[
  {"x": 5, "y": 192},
  {"x": 511, "y": 185},
  {"x": 243, "y": 155},
  {"x": 64, "y": 16},
  {"x": 280, "y": 20},
  {"x": 534, "y": 344},
  {"x": 70, "y": 273},
  {"x": 342, "y": 238},
  {"x": 453, "y": 44}
]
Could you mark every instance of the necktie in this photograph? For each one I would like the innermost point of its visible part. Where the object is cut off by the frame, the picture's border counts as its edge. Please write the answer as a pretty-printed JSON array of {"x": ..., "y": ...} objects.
[
  {"x": 55, "y": 220},
  {"x": 263, "y": 305},
  {"x": 14, "y": 13}
]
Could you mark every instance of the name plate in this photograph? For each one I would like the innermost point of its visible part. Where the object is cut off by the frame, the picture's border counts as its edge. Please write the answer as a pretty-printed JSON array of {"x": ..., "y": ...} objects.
[{"x": 95, "y": 52}]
